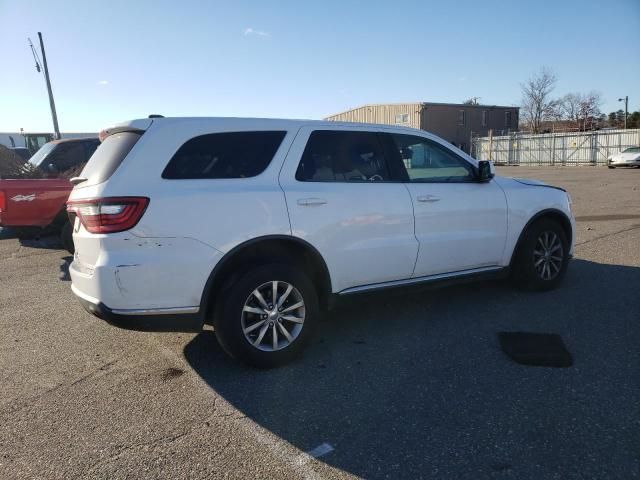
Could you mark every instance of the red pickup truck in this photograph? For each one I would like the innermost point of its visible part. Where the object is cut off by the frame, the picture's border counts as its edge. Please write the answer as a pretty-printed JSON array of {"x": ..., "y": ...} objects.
[{"x": 33, "y": 199}]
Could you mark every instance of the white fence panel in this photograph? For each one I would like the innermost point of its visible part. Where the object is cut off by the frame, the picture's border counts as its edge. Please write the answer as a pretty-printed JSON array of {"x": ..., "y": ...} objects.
[{"x": 580, "y": 148}]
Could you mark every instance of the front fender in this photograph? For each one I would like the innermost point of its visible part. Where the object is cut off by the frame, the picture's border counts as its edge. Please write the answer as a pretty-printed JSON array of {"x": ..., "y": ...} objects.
[{"x": 528, "y": 203}]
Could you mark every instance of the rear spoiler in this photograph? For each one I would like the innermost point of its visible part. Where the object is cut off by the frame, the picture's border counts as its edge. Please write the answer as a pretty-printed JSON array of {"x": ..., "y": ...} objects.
[{"x": 136, "y": 126}]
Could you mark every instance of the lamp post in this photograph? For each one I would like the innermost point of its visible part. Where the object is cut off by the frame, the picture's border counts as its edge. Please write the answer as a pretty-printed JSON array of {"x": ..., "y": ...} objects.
[{"x": 626, "y": 109}]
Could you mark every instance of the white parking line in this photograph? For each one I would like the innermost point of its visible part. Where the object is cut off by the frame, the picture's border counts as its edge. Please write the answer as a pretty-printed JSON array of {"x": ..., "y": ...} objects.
[
  {"x": 320, "y": 450},
  {"x": 278, "y": 447}
]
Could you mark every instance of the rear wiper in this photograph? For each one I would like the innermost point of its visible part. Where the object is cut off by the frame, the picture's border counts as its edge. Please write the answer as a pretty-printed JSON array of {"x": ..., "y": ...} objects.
[{"x": 77, "y": 180}]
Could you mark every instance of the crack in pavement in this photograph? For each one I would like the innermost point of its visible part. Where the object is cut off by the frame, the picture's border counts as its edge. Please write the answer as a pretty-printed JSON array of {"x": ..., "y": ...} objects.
[
  {"x": 164, "y": 440},
  {"x": 10, "y": 410},
  {"x": 161, "y": 441},
  {"x": 633, "y": 227}
]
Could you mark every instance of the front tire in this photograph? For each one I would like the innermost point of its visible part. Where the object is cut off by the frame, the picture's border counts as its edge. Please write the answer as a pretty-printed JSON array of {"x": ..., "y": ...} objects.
[
  {"x": 542, "y": 256},
  {"x": 268, "y": 316}
]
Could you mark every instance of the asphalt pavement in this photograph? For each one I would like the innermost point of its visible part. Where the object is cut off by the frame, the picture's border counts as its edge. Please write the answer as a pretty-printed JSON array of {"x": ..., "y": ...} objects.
[{"x": 394, "y": 386}]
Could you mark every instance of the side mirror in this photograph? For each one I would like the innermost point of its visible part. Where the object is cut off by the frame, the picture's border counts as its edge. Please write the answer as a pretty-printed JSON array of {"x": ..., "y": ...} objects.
[{"x": 485, "y": 171}]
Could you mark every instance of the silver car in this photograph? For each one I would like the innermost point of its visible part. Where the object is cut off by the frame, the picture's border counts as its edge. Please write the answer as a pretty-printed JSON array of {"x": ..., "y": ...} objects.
[{"x": 629, "y": 157}]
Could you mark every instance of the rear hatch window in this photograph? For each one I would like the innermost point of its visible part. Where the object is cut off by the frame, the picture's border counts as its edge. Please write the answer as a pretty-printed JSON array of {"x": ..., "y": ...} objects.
[{"x": 108, "y": 157}]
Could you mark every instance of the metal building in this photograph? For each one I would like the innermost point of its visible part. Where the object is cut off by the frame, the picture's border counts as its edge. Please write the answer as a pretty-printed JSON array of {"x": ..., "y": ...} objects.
[{"x": 454, "y": 122}]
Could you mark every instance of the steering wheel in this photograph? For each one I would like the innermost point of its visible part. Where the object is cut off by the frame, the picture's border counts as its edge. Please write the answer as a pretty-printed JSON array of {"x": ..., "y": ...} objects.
[{"x": 376, "y": 177}]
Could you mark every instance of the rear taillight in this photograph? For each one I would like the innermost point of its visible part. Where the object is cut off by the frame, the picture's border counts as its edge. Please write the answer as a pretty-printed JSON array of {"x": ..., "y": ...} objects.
[
  {"x": 3, "y": 202},
  {"x": 110, "y": 214}
]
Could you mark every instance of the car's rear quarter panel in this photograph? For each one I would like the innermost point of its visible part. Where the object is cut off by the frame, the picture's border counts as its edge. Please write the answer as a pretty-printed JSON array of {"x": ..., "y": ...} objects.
[{"x": 129, "y": 272}]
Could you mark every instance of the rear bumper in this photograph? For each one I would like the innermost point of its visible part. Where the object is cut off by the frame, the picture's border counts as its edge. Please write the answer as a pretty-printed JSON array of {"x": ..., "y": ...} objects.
[
  {"x": 134, "y": 275},
  {"x": 149, "y": 282},
  {"x": 174, "y": 320}
]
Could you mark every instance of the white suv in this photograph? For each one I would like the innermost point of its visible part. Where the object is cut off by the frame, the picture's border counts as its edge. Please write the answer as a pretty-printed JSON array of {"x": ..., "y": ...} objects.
[{"x": 258, "y": 224}]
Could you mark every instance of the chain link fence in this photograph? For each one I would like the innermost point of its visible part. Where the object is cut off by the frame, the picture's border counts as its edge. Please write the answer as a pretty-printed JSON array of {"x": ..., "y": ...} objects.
[{"x": 576, "y": 148}]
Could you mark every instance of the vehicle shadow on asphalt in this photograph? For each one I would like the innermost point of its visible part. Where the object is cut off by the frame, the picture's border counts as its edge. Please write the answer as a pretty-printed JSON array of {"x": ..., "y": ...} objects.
[
  {"x": 65, "y": 263},
  {"x": 414, "y": 386},
  {"x": 46, "y": 240}
]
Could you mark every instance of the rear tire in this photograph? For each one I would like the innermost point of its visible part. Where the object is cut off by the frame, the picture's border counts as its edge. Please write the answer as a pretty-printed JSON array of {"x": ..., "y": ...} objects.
[
  {"x": 66, "y": 236},
  {"x": 542, "y": 257},
  {"x": 247, "y": 323},
  {"x": 610, "y": 166}
]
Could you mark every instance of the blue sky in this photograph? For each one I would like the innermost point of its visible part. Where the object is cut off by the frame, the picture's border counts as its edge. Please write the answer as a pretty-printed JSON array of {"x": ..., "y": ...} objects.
[{"x": 117, "y": 60}]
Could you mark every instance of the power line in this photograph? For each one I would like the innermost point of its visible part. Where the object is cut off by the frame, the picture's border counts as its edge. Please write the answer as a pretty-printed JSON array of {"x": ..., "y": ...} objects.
[{"x": 35, "y": 55}]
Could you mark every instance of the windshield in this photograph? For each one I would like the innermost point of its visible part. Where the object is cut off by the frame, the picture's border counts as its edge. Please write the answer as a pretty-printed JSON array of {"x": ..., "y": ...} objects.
[
  {"x": 39, "y": 157},
  {"x": 632, "y": 150}
]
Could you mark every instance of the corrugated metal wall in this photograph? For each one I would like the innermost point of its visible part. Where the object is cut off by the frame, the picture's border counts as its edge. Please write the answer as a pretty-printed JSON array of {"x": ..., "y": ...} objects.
[
  {"x": 581, "y": 148},
  {"x": 385, "y": 114}
]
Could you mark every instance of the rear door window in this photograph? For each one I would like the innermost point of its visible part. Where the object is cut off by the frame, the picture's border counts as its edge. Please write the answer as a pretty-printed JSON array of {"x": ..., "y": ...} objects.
[
  {"x": 224, "y": 155},
  {"x": 343, "y": 156},
  {"x": 108, "y": 157}
]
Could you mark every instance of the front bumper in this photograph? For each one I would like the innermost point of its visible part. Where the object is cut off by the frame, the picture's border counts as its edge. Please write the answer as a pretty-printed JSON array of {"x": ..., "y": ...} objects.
[{"x": 624, "y": 163}]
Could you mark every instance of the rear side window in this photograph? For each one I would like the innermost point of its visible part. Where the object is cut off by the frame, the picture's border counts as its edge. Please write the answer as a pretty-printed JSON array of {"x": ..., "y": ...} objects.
[
  {"x": 224, "y": 155},
  {"x": 108, "y": 157}
]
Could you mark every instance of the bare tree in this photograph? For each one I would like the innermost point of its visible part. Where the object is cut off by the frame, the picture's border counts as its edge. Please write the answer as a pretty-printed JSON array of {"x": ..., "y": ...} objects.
[
  {"x": 569, "y": 107},
  {"x": 589, "y": 109},
  {"x": 581, "y": 109},
  {"x": 537, "y": 104}
]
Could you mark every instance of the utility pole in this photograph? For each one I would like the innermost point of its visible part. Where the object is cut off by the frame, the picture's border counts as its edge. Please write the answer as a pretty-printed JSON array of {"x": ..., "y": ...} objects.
[
  {"x": 52, "y": 104},
  {"x": 626, "y": 109}
]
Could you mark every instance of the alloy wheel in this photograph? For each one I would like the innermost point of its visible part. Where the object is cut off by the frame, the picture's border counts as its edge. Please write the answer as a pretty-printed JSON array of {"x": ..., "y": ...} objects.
[
  {"x": 273, "y": 316},
  {"x": 548, "y": 255}
]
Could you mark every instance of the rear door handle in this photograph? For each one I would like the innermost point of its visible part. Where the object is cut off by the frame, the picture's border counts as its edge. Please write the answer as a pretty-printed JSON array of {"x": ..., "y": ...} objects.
[
  {"x": 428, "y": 198},
  {"x": 311, "y": 202}
]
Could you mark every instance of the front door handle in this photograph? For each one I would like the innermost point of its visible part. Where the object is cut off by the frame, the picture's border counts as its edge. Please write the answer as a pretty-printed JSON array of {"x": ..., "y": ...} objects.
[
  {"x": 311, "y": 202},
  {"x": 428, "y": 198}
]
